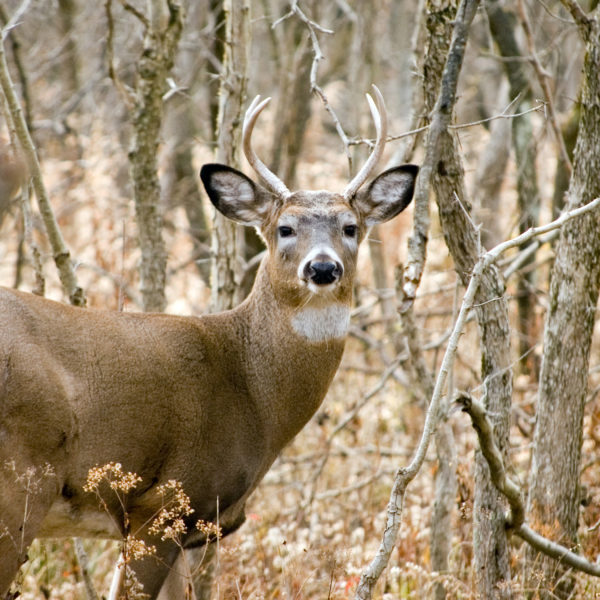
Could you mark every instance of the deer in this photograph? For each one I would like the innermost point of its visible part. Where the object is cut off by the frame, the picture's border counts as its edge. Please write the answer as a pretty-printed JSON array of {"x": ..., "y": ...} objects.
[{"x": 209, "y": 401}]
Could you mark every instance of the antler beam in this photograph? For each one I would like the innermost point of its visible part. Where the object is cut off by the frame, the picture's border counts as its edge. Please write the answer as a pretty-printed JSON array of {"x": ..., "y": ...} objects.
[
  {"x": 380, "y": 117},
  {"x": 267, "y": 176}
]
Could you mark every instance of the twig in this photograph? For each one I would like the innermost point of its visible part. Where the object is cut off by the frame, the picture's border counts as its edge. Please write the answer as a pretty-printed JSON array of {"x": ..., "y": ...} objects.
[
  {"x": 140, "y": 16},
  {"x": 582, "y": 20},
  {"x": 515, "y": 520},
  {"x": 82, "y": 559},
  {"x": 14, "y": 21},
  {"x": 502, "y": 115},
  {"x": 126, "y": 93},
  {"x": 318, "y": 57}
]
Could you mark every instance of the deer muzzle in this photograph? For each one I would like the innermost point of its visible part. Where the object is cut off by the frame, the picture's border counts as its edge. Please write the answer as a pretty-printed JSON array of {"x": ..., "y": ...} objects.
[{"x": 321, "y": 270}]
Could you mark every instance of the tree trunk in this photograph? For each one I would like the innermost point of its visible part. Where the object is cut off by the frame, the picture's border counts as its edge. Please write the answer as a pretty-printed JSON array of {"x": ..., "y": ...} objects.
[
  {"x": 502, "y": 26},
  {"x": 227, "y": 237},
  {"x": 491, "y": 552},
  {"x": 160, "y": 44},
  {"x": 554, "y": 493}
]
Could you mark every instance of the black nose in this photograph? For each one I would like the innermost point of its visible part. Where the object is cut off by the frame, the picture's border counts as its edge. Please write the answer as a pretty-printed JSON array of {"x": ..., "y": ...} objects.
[{"x": 323, "y": 273}]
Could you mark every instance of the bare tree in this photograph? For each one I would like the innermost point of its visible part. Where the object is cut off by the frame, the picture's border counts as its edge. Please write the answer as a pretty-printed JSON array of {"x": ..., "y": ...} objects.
[
  {"x": 555, "y": 493},
  {"x": 227, "y": 237},
  {"x": 162, "y": 29}
]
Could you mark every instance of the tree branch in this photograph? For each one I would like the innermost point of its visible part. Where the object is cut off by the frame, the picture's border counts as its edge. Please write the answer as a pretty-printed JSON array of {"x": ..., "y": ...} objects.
[
  {"x": 440, "y": 121},
  {"x": 62, "y": 257},
  {"x": 515, "y": 520}
]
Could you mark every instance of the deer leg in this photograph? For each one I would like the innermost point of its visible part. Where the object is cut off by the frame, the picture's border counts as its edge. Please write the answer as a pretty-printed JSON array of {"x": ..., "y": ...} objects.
[
  {"x": 195, "y": 567},
  {"x": 152, "y": 571}
]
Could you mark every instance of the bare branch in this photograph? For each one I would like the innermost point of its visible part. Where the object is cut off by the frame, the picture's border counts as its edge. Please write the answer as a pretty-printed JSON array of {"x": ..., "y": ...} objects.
[
  {"x": 62, "y": 257},
  {"x": 318, "y": 57},
  {"x": 14, "y": 21},
  {"x": 406, "y": 474},
  {"x": 582, "y": 20},
  {"x": 440, "y": 121},
  {"x": 126, "y": 93},
  {"x": 515, "y": 520}
]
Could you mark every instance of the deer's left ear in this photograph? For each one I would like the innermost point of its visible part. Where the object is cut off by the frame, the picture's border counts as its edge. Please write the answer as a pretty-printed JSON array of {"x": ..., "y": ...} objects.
[{"x": 387, "y": 195}]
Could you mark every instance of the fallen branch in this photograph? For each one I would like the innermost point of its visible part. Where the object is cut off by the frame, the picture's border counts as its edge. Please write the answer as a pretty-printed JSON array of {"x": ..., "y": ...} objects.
[{"x": 515, "y": 519}]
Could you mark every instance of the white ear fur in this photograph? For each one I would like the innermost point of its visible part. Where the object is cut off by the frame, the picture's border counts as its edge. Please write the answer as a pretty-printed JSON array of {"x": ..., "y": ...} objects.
[
  {"x": 235, "y": 195},
  {"x": 388, "y": 195}
]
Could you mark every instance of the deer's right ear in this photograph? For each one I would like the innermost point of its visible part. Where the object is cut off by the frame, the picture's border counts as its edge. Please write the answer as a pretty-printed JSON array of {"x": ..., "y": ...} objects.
[{"x": 235, "y": 195}]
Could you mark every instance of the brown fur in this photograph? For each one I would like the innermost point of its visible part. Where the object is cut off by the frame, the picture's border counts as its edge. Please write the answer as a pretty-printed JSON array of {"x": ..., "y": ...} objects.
[{"x": 208, "y": 401}]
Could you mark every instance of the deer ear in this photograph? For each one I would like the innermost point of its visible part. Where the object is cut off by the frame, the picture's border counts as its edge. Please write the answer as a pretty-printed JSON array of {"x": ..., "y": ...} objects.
[
  {"x": 387, "y": 195},
  {"x": 235, "y": 195}
]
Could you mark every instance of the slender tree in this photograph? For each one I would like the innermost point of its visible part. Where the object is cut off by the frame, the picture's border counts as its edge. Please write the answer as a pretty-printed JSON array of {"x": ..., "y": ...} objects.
[
  {"x": 491, "y": 551},
  {"x": 227, "y": 237},
  {"x": 162, "y": 32},
  {"x": 554, "y": 492}
]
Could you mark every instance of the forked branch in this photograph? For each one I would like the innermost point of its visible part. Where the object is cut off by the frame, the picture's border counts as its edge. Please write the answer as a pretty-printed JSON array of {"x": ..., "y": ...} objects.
[{"x": 515, "y": 520}]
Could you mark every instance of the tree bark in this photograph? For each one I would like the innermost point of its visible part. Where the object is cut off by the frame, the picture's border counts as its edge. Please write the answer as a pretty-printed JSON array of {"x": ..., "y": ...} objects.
[
  {"x": 491, "y": 552},
  {"x": 502, "y": 26},
  {"x": 554, "y": 493},
  {"x": 227, "y": 237},
  {"x": 160, "y": 44}
]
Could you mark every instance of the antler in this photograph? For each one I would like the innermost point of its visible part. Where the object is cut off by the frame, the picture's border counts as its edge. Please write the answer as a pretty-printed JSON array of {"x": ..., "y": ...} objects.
[
  {"x": 268, "y": 177},
  {"x": 380, "y": 117}
]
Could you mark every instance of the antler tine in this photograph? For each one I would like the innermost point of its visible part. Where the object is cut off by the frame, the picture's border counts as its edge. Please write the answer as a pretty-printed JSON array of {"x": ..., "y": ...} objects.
[
  {"x": 380, "y": 117},
  {"x": 267, "y": 176}
]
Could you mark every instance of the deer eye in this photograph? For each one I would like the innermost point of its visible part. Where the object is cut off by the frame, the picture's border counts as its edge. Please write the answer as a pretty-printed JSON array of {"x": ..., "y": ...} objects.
[
  {"x": 350, "y": 230},
  {"x": 285, "y": 231}
]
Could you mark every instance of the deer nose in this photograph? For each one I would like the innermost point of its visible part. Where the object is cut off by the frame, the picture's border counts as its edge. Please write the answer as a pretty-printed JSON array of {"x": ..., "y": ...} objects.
[{"x": 323, "y": 272}]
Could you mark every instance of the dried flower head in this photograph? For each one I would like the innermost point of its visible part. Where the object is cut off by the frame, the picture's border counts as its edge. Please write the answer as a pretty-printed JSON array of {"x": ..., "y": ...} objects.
[
  {"x": 137, "y": 549},
  {"x": 169, "y": 522},
  {"x": 211, "y": 530},
  {"x": 113, "y": 474}
]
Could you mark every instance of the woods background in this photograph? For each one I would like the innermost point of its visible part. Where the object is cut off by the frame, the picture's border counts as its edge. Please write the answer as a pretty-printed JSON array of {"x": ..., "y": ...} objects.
[{"x": 124, "y": 103}]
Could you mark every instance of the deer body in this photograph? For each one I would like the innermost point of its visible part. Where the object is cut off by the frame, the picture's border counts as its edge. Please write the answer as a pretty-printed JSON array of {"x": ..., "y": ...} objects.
[
  {"x": 209, "y": 401},
  {"x": 168, "y": 369}
]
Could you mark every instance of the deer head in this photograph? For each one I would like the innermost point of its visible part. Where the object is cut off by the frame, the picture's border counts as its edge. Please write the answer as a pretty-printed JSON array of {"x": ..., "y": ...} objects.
[{"x": 312, "y": 236}]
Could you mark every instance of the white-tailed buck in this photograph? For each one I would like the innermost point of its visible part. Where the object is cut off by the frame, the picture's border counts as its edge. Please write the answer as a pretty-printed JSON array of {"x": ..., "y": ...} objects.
[{"x": 209, "y": 401}]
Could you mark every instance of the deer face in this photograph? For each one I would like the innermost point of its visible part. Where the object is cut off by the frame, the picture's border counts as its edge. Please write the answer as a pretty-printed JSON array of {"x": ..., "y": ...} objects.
[{"x": 312, "y": 236}]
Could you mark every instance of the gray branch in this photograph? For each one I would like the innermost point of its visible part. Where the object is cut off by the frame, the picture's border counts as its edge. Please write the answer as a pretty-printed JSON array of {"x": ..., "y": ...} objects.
[
  {"x": 515, "y": 520},
  {"x": 440, "y": 122}
]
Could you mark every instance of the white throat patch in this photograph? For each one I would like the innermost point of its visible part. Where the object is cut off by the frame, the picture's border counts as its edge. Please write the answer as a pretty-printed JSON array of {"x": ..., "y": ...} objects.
[{"x": 322, "y": 324}]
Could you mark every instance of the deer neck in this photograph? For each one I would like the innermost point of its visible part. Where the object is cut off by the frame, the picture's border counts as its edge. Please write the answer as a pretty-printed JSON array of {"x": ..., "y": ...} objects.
[{"x": 292, "y": 354}]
